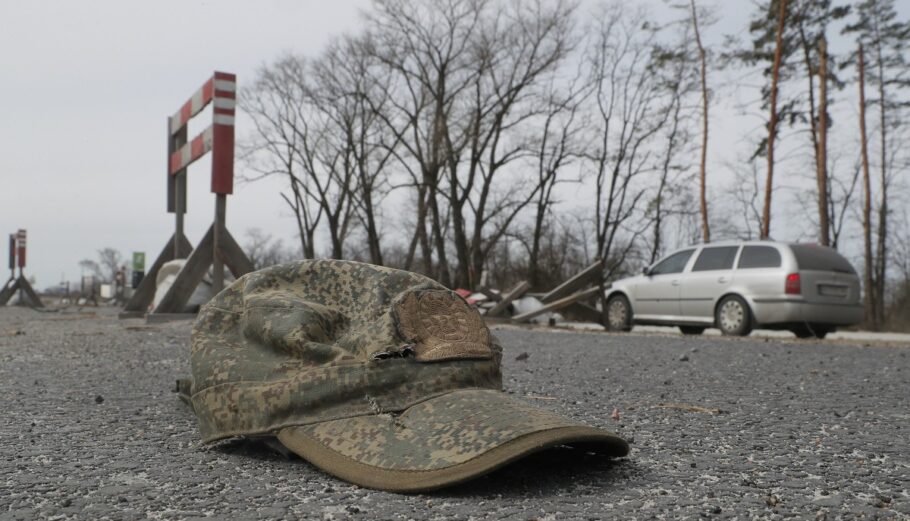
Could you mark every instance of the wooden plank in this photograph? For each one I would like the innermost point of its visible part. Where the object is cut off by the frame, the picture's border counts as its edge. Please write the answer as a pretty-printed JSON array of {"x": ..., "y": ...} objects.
[
  {"x": 29, "y": 294},
  {"x": 520, "y": 289},
  {"x": 574, "y": 284},
  {"x": 217, "y": 262},
  {"x": 190, "y": 276},
  {"x": 8, "y": 291},
  {"x": 491, "y": 295},
  {"x": 557, "y": 304},
  {"x": 176, "y": 184},
  {"x": 145, "y": 292},
  {"x": 233, "y": 256}
]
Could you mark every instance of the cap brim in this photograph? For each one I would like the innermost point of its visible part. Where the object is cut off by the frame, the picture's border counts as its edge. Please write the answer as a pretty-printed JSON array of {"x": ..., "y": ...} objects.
[{"x": 440, "y": 442}]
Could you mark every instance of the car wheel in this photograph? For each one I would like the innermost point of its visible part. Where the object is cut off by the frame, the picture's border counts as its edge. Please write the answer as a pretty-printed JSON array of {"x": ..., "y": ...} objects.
[
  {"x": 619, "y": 314},
  {"x": 692, "y": 330},
  {"x": 732, "y": 316}
]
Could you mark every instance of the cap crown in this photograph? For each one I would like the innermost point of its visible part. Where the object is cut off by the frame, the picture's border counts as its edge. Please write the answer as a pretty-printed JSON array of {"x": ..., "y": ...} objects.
[{"x": 319, "y": 340}]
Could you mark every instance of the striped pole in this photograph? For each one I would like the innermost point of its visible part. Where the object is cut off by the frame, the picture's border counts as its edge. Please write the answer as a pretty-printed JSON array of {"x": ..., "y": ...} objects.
[
  {"x": 20, "y": 246},
  {"x": 218, "y": 138}
]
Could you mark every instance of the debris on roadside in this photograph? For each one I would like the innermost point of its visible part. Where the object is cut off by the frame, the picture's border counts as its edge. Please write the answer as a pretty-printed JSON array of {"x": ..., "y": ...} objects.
[{"x": 575, "y": 300}]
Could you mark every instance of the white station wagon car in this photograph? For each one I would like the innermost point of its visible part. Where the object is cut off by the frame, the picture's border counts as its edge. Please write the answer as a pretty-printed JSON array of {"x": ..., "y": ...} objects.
[{"x": 807, "y": 289}]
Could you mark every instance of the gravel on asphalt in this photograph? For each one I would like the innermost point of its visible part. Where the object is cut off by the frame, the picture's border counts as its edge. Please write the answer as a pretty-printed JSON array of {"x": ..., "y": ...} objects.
[{"x": 720, "y": 428}]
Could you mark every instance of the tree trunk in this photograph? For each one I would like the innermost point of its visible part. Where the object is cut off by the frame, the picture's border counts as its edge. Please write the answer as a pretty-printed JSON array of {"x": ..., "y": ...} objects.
[
  {"x": 772, "y": 123},
  {"x": 373, "y": 235},
  {"x": 881, "y": 258},
  {"x": 463, "y": 251},
  {"x": 706, "y": 230},
  {"x": 822, "y": 155},
  {"x": 419, "y": 225},
  {"x": 534, "y": 260},
  {"x": 444, "y": 275},
  {"x": 869, "y": 293}
]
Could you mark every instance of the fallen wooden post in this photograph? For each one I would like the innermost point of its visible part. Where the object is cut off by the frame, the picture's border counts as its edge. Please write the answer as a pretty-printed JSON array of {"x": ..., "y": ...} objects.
[
  {"x": 492, "y": 296},
  {"x": 557, "y": 304},
  {"x": 507, "y": 299},
  {"x": 574, "y": 284}
]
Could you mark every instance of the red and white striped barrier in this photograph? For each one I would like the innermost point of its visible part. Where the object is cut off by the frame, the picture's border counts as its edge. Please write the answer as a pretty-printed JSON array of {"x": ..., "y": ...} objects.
[
  {"x": 221, "y": 90},
  {"x": 20, "y": 247}
]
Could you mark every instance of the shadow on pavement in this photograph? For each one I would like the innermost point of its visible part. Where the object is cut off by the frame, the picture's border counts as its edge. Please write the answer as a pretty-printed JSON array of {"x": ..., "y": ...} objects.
[
  {"x": 553, "y": 471},
  {"x": 558, "y": 470}
]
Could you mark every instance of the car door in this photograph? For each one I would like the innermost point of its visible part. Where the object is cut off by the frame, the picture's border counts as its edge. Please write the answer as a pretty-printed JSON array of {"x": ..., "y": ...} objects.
[
  {"x": 709, "y": 278},
  {"x": 657, "y": 297}
]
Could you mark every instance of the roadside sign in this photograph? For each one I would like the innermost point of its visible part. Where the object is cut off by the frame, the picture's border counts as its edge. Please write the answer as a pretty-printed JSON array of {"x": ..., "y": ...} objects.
[
  {"x": 138, "y": 268},
  {"x": 20, "y": 246}
]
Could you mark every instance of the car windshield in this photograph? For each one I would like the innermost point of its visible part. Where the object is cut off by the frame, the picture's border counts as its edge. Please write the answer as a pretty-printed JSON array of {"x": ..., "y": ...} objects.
[{"x": 820, "y": 258}]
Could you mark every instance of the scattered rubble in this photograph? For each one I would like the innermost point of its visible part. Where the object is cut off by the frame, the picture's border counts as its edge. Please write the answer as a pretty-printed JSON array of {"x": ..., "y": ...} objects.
[{"x": 517, "y": 305}]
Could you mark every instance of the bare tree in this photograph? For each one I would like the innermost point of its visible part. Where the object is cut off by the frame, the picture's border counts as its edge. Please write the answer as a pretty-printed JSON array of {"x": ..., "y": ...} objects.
[
  {"x": 275, "y": 104},
  {"x": 559, "y": 146},
  {"x": 877, "y": 26},
  {"x": 627, "y": 117},
  {"x": 821, "y": 163},
  {"x": 317, "y": 123},
  {"x": 745, "y": 218},
  {"x": 428, "y": 49},
  {"x": 840, "y": 199},
  {"x": 353, "y": 89},
  {"x": 772, "y": 121},
  {"x": 869, "y": 292},
  {"x": 677, "y": 82},
  {"x": 809, "y": 22},
  {"x": 263, "y": 250},
  {"x": 702, "y": 186},
  {"x": 467, "y": 69},
  {"x": 516, "y": 51},
  {"x": 106, "y": 267},
  {"x": 92, "y": 267}
]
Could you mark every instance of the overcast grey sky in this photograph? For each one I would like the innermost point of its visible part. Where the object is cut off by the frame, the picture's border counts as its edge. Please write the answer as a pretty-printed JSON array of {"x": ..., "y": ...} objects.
[{"x": 85, "y": 90}]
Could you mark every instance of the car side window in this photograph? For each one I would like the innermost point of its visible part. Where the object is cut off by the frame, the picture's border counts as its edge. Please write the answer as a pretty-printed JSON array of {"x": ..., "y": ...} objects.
[
  {"x": 759, "y": 257},
  {"x": 720, "y": 258},
  {"x": 673, "y": 264}
]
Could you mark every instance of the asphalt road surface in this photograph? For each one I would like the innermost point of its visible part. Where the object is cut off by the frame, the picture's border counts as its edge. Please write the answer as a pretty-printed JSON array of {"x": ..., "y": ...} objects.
[{"x": 720, "y": 428}]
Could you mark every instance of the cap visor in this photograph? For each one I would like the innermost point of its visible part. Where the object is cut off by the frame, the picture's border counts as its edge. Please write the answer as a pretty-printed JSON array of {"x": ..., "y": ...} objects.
[{"x": 440, "y": 442}]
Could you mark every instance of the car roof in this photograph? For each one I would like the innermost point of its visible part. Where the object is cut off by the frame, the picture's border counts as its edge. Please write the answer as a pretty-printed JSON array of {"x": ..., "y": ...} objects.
[{"x": 734, "y": 242}]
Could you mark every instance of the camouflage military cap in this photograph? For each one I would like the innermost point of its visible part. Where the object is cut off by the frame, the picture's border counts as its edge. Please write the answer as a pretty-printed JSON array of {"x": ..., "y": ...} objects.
[{"x": 381, "y": 377}]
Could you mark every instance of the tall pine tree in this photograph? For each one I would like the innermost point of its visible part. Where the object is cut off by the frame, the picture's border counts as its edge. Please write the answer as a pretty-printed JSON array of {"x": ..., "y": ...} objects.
[{"x": 885, "y": 40}]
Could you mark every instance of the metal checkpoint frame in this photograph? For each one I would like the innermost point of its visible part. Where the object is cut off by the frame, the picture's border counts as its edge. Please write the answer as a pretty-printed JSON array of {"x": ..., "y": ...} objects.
[
  {"x": 217, "y": 248},
  {"x": 27, "y": 295}
]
